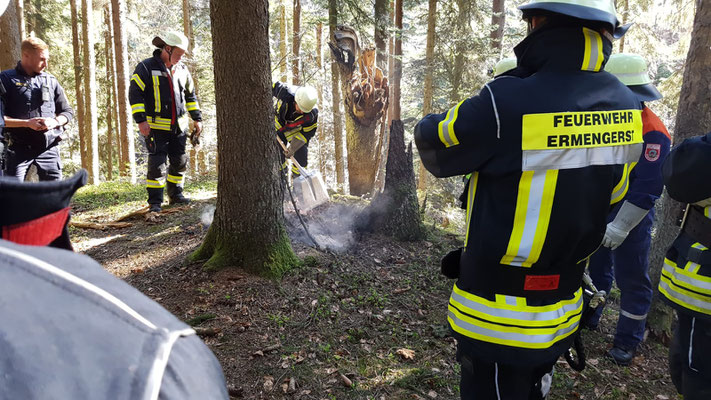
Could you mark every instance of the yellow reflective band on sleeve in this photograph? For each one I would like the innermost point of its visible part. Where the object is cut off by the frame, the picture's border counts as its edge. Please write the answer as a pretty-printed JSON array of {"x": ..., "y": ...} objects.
[
  {"x": 531, "y": 218},
  {"x": 446, "y": 127},
  {"x": 509, "y": 321},
  {"x": 156, "y": 92},
  {"x": 138, "y": 107},
  {"x": 471, "y": 194},
  {"x": 159, "y": 126},
  {"x": 593, "y": 57},
  {"x": 299, "y": 136},
  {"x": 139, "y": 82},
  {"x": 192, "y": 106},
  {"x": 277, "y": 125},
  {"x": 154, "y": 184},
  {"x": 685, "y": 288},
  {"x": 620, "y": 190},
  {"x": 707, "y": 212},
  {"x": 310, "y": 128},
  {"x": 175, "y": 179},
  {"x": 295, "y": 169}
]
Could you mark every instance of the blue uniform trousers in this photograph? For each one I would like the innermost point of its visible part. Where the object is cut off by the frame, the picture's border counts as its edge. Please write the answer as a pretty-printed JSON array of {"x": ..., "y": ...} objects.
[
  {"x": 48, "y": 162},
  {"x": 628, "y": 266}
]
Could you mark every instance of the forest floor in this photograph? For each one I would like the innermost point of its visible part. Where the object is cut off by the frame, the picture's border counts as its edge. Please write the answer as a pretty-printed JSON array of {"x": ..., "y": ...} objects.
[{"x": 365, "y": 320}]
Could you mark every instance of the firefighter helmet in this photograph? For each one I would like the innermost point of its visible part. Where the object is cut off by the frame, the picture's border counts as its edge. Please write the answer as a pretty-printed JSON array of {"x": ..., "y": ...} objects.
[
  {"x": 505, "y": 64},
  {"x": 306, "y": 97},
  {"x": 631, "y": 69},
  {"x": 3, "y": 5},
  {"x": 591, "y": 10},
  {"x": 171, "y": 38}
]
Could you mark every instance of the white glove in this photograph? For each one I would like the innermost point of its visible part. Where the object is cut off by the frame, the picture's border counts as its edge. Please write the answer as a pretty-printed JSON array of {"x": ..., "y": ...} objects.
[{"x": 626, "y": 219}]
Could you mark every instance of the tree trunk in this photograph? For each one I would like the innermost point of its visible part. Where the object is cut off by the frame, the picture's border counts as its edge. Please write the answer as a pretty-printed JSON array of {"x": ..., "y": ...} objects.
[
  {"x": 78, "y": 87},
  {"x": 460, "y": 46},
  {"x": 693, "y": 118},
  {"x": 37, "y": 21},
  {"x": 322, "y": 150},
  {"x": 428, "y": 91},
  {"x": 128, "y": 160},
  {"x": 283, "y": 62},
  {"x": 336, "y": 95},
  {"x": 109, "y": 93},
  {"x": 10, "y": 39},
  {"x": 20, "y": 8},
  {"x": 381, "y": 33},
  {"x": 625, "y": 17},
  {"x": 114, "y": 87},
  {"x": 247, "y": 230},
  {"x": 397, "y": 63},
  {"x": 296, "y": 44},
  {"x": 361, "y": 142},
  {"x": 395, "y": 212},
  {"x": 188, "y": 32},
  {"x": 498, "y": 19},
  {"x": 92, "y": 131}
]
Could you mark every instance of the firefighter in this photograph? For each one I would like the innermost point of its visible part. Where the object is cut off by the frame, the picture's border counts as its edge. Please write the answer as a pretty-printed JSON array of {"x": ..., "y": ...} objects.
[
  {"x": 685, "y": 282},
  {"x": 162, "y": 97},
  {"x": 549, "y": 145},
  {"x": 628, "y": 234},
  {"x": 295, "y": 120},
  {"x": 504, "y": 65},
  {"x": 35, "y": 113}
]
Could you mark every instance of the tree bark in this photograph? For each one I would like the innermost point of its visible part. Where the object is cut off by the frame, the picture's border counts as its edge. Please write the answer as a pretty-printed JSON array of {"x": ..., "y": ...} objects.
[
  {"x": 283, "y": 62},
  {"x": 188, "y": 32},
  {"x": 20, "y": 8},
  {"x": 428, "y": 90},
  {"x": 296, "y": 44},
  {"x": 247, "y": 230},
  {"x": 395, "y": 212},
  {"x": 322, "y": 148},
  {"x": 114, "y": 88},
  {"x": 336, "y": 95},
  {"x": 37, "y": 21},
  {"x": 10, "y": 39},
  {"x": 92, "y": 131},
  {"x": 397, "y": 63},
  {"x": 78, "y": 87},
  {"x": 381, "y": 33},
  {"x": 460, "y": 46},
  {"x": 625, "y": 17},
  {"x": 109, "y": 93},
  {"x": 498, "y": 19},
  {"x": 693, "y": 118},
  {"x": 128, "y": 160}
]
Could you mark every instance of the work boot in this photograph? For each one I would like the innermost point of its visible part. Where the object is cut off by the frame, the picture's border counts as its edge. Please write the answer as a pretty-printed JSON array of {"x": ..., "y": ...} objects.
[
  {"x": 621, "y": 356},
  {"x": 179, "y": 199},
  {"x": 154, "y": 208}
]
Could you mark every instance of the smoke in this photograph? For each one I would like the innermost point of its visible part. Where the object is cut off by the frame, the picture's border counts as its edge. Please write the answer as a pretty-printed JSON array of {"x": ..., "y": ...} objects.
[
  {"x": 207, "y": 215},
  {"x": 332, "y": 225}
]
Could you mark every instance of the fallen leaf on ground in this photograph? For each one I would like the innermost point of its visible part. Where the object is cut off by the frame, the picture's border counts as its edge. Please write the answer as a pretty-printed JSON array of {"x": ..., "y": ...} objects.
[{"x": 406, "y": 354}]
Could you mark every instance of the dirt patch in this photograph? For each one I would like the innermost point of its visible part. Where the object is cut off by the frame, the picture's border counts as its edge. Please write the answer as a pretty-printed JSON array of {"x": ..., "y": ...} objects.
[{"x": 365, "y": 319}]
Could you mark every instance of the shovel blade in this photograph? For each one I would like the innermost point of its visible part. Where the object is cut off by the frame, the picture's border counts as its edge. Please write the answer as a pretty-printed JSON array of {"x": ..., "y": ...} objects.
[{"x": 310, "y": 191}]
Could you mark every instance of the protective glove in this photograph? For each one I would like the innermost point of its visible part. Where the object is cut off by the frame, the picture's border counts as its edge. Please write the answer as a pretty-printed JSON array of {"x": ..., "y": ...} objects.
[
  {"x": 450, "y": 264},
  {"x": 293, "y": 146},
  {"x": 626, "y": 219}
]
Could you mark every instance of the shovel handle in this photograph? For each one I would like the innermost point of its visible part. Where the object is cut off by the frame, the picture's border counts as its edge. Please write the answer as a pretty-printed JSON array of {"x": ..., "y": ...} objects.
[{"x": 302, "y": 171}]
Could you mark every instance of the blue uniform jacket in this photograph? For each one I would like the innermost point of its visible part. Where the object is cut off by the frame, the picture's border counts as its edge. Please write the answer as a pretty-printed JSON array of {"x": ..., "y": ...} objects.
[{"x": 29, "y": 97}]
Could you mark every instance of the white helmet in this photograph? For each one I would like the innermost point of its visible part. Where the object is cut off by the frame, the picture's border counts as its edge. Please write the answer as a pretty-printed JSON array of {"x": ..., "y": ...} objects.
[
  {"x": 591, "y": 10},
  {"x": 3, "y": 5},
  {"x": 631, "y": 69},
  {"x": 171, "y": 38},
  {"x": 505, "y": 64},
  {"x": 306, "y": 97}
]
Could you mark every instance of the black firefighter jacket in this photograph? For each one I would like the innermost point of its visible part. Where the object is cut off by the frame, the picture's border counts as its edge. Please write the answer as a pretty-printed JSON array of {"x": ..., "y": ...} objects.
[
  {"x": 154, "y": 91},
  {"x": 289, "y": 123},
  {"x": 549, "y": 146}
]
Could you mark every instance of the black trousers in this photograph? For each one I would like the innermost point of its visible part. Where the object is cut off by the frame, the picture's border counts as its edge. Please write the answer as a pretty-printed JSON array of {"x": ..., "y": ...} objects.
[
  {"x": 166, "y": 150},
  {"x": 483, "y": 380},
  {"x": 48, "y": 163},
  {"x": 690, "y": 358},
  {"x": 301, "y": 156}
]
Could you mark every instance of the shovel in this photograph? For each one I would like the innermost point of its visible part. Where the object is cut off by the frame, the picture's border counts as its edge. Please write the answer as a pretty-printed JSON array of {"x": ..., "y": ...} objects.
[{"x": 309, "y": 189}]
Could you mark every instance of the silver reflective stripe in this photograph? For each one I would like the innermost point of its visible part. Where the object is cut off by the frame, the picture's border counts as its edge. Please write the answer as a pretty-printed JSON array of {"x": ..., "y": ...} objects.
[
  {"x": 510, "y": 300},
  {"x": 691, "y": 344},
  {"x": 534, "y": 160},
  {"x": 496, "y": 112},
  {"x": 689, "y": 281},
  {"x": 496, "y": 380},
  {"x": 156, "y": 72},
  {"x": 592, "y": 39},
  {"x": 619, "y": 194},
  {"x": 683, "y": 300},
  {"x": 633, "y": 316},
  {"x": 155, "y": 376},
  {"x": 444, "y": 127},
  {"x": 524, "y": 336},
  {"x": 543, "y": 318}
]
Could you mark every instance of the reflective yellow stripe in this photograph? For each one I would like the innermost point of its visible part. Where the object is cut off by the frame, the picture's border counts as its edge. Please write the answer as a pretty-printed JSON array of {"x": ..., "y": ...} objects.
[
  {"x": 295, "y": 169},
  {"x": 161, "y": 127},
  {"x": 277, "y": 125},
  {"x": 138, "y": 107},
  {"x": 138, "y": 81},
  {"x": 593, "y": 57},
  {"x": 175, "y": 179},
  {"x": 299, "y": 136},
  {"x": 687, "y": 289},
  {"x": 707, "y": 212},
  {"x": 310, "y": 128},
  {"x": 471, "y": 193},
  {"x": 154, "y": 184},
  {"x": 509, "y": 321},
  {"x": 165, "y": 121},
  {"x": 534, "y": 203},
  {"x": 446, "y": 127},
  {"x": 192, "y": 106},
  {"x": 156, "y": 92},
  {"x": 620, "y": 190}
]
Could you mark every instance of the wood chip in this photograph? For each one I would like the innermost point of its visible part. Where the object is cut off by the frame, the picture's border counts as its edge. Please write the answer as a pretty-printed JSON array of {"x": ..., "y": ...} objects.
[
  {"x": 100, "y": 226},
  {"x": 401, "y": 290},
  {"x": 406, "y": 354},
  {"x": 207, "y": 332},
  {"x": 346, "y": 382}
]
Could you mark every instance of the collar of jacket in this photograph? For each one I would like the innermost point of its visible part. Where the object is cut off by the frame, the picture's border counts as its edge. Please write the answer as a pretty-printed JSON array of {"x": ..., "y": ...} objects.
[
  {"x": 21, "y": 71},
  {"x": 556, "y": 47}
]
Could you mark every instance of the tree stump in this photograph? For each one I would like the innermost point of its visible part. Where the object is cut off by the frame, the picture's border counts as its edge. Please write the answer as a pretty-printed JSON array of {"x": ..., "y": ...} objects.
[{"x": 395, "y": 211}]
